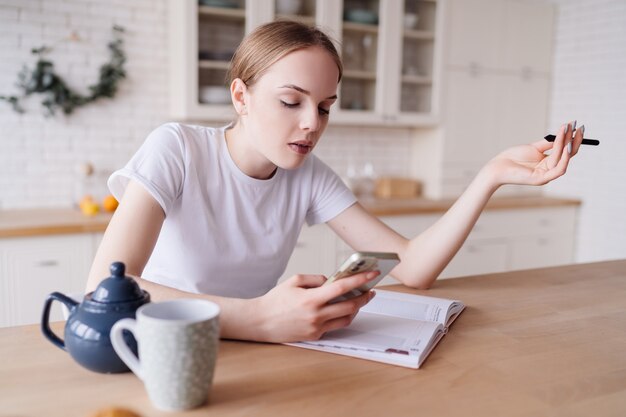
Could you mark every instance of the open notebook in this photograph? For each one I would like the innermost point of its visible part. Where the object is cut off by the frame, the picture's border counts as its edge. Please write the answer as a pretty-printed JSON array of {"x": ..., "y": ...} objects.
[{"x": 395, "y": 328}]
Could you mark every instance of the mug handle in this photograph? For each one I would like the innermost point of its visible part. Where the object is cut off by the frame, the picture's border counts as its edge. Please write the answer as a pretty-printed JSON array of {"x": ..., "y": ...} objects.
[
  {"x": 45, "y": 317},
  {"x": 120, "y": 346}
]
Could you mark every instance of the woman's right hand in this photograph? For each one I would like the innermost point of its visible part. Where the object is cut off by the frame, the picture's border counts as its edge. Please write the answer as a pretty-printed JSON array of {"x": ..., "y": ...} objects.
[{"x": 298, "y": 309}]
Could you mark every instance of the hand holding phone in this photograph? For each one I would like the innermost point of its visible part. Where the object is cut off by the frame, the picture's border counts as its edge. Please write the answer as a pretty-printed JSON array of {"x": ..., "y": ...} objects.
[{"x": 363, "y": 262}]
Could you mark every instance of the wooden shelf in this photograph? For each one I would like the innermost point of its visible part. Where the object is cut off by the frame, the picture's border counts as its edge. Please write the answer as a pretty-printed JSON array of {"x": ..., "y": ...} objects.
[
  {"x": 360, "y": 75},
  {"x": 360, "y": 27},
  {"x": 209, "y": 64},
  {"x": 233, "y": 14},
  {"x": 307, "y": 20},
  {"x": 425, "y": 35},
  {"x": 416, "y": 79}
]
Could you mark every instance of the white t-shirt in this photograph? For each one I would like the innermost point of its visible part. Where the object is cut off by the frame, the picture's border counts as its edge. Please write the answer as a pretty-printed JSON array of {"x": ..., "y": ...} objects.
[{"x": 225, "y": 233}]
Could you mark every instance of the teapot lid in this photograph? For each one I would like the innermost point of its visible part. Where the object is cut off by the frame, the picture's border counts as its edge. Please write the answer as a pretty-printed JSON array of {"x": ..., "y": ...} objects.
[{"x": 118, "y": 288}]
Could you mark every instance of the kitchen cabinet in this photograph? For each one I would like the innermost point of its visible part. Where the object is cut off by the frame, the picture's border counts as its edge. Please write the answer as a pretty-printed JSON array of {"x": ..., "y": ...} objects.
[
  {"x": 33, "y": 267},
  {"x": 391, "y": 51},
  {"x": 501, "y": 240},
  {"x": 497, "y": 77}
]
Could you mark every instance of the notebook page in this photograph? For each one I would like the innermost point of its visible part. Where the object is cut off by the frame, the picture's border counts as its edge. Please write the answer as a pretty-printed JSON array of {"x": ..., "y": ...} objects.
[{"x": 410, "y": 306}]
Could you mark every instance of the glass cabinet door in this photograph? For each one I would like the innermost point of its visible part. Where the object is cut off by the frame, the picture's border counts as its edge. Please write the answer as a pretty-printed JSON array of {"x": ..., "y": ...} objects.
[
  {"x": 299, "y": 10},
  {"x": 360, "y": 41},
  {"x": 221, "y": 27},
  {"x": 418, "y": 35}
]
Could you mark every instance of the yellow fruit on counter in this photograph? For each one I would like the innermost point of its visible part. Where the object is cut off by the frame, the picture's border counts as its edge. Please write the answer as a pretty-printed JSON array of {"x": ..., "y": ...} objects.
[
  {"x": 110, "y": 203},
  {"x": 86, "y": 200},
  {"x": 89, "y": 208}
]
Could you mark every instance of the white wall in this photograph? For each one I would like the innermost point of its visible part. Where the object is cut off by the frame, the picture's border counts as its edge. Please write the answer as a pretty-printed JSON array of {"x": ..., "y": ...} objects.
[
  {"x": 589, "y": 84},
  {"x": 39, "y": 156}
]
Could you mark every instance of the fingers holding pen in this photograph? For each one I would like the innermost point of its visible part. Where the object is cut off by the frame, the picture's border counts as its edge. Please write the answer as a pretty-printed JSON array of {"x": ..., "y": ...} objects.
[
  {"x": 577, "y": 140},
  {"x": 563, "y": 138}
]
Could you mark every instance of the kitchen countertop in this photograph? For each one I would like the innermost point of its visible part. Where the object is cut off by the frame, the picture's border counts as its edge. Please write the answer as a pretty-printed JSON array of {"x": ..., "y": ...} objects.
[
  {"x": 54, "y": 221},
  {"x": 396, "y": 207},
  {"x": 541, "y": 342}
]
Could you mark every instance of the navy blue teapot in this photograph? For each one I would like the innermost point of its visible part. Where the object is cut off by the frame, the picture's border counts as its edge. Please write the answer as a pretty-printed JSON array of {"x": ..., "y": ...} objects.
[{"x": 89, "y": 323}]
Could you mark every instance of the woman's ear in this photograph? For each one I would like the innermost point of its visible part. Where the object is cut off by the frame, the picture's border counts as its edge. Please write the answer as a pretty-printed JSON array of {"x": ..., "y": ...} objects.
[{"x": 238, "y": 90}]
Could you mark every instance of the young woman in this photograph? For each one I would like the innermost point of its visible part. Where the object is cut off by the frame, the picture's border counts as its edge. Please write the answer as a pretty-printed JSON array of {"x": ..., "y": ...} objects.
[{"x": 214, "y": 213}]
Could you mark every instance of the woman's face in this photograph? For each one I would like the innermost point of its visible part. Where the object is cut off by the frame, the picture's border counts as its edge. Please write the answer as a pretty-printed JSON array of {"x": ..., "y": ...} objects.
[{"x": 288, "y": 107}]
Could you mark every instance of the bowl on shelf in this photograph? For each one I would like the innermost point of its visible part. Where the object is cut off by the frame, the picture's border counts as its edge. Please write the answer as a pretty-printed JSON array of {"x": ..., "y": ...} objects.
[
  {"x": 361, "y": 16},
  {"x": 288, "y": 6},
  {"x": 214, "y": 94},
  {"x": 410, "y": 20}
]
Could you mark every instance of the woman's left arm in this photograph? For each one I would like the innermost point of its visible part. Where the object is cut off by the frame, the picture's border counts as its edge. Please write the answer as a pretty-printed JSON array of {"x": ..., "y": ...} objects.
[{"x": 426, "y": 255}]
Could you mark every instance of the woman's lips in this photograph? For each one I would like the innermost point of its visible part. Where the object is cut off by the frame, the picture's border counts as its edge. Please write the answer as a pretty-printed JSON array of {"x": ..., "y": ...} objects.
[{"x": 300, "y": 148}]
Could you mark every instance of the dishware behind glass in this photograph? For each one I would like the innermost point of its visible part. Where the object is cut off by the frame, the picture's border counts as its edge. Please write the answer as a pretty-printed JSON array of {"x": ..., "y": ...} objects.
[
  {"x": 178, "y": 342},
  {"x": 288, "y": 6},
  {"x": 410, "y": 20},
  {"x": 214, "y": 94}
]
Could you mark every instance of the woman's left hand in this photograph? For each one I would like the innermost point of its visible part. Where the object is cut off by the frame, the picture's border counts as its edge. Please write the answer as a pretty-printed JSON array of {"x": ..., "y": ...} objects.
[{"x": 529, "y": 165}]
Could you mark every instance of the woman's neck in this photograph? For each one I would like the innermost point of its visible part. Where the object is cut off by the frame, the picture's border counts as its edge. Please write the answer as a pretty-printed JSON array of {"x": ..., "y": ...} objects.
[{"x": 249, "y": 160}]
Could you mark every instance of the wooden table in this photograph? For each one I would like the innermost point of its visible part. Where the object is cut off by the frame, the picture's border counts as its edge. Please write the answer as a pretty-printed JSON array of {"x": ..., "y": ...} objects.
[{"x": 545, "y": 342}]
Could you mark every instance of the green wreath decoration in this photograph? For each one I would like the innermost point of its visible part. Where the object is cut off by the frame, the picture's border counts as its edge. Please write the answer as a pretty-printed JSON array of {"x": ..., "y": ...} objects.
[{"x": 57, "y": 94}]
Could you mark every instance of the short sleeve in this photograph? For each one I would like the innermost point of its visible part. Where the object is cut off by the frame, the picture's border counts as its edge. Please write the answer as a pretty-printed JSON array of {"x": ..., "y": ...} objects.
[
  {"x": 330, "y": 196},
  {"x": 158, "y": 165}
]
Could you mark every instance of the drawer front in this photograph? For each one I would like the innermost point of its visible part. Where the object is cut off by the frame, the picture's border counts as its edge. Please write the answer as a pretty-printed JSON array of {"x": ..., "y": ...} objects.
[
  {"x": 32, "y": 268},
  {"x": 525, "y": 222},
  {"x": 478, "y": 257},
  {"x": 541, "y": 251}
]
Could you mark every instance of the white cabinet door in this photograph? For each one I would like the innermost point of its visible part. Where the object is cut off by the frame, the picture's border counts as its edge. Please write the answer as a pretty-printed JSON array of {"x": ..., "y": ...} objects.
[
  {"x": 497, "y": 83},
  {"x": 478, "y": 257},
  {"x": 314, "y": 253},
  {"x": 526, "y": 40},
  {"x": 474, "y": 28},
  {"x": 541, "y": 251},
  {"x": 523, "y": 107},
  {"x": 34, "y": 267},
  {"x": 500, "y": 34},
  {"x": 470, "y": 115}
]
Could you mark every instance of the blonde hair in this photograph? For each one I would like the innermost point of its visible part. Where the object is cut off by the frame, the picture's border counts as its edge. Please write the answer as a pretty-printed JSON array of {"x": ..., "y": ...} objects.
[{"x": 270, "y": 42}]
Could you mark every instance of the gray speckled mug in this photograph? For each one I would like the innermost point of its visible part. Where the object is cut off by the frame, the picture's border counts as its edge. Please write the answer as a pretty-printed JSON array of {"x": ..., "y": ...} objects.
[{"x": 178, "y": 342}]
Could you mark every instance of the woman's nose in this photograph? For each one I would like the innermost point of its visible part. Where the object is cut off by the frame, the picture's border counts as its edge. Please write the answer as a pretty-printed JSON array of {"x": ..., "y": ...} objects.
[{"x": 310, "y": 120}]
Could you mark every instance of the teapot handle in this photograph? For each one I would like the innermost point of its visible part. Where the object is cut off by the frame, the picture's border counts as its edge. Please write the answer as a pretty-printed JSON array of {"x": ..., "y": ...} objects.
[{"x": 45, "y": 317}]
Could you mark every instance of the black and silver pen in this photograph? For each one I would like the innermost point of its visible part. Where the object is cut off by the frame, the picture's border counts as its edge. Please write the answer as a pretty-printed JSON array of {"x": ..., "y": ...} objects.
[{"x": 592, "y": 142}]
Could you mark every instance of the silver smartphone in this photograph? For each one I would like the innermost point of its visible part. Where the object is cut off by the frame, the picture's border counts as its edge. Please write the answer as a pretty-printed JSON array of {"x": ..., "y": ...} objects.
[{"x": 362, "y": 262}]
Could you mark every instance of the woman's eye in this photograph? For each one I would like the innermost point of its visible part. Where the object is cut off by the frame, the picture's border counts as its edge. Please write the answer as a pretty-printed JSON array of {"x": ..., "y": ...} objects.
[
  {"x": 323, "y": 112},
  {"x": 289, "y": 105}
]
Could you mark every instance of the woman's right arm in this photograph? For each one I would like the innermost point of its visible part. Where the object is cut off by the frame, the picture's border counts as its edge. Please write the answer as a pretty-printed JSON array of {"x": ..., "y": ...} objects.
[{"x": 296, "y": 310}]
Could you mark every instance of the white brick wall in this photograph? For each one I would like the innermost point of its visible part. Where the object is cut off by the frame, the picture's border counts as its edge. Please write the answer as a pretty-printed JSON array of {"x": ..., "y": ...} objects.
[
  {"x": 590, "y": 85},
  {"x": 38, "y": 155}
]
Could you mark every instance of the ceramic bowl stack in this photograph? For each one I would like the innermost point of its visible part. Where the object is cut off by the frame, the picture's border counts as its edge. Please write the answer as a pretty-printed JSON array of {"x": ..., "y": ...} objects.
[
  {"x": 361, "y": 16},
  {"x": 214, "y": 94}
]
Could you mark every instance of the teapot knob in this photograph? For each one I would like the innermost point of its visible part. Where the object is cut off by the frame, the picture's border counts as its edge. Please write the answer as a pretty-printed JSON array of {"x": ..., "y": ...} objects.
[{"x": 118, "y": 269}]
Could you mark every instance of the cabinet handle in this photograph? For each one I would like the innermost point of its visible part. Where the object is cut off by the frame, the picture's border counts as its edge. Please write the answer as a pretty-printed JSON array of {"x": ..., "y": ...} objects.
[
  {"x": 474, "y": 69},
  {"x": 47, "y": 263},
  {"x": 472, "y": 249}
]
